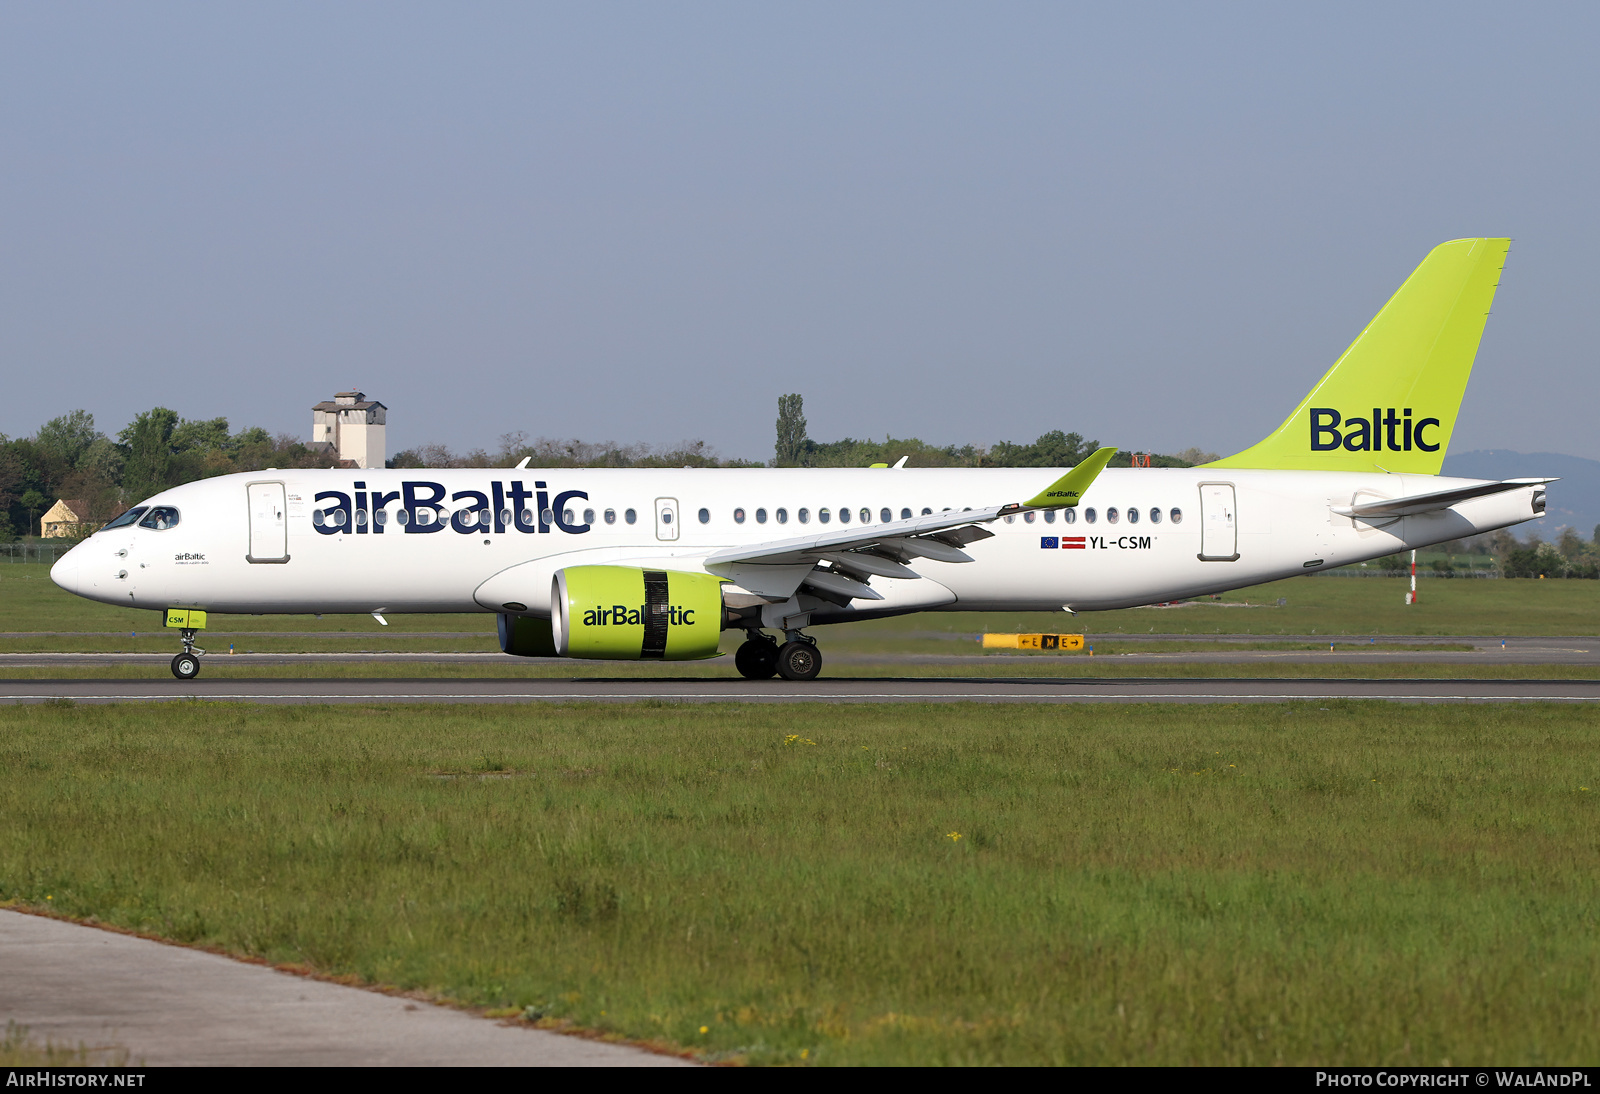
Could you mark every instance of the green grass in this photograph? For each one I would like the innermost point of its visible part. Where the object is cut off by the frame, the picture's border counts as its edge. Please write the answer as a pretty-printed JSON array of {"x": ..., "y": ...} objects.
[
  {"x": 1361, "y": 884},
  {"x": 19, "y": 1049}
]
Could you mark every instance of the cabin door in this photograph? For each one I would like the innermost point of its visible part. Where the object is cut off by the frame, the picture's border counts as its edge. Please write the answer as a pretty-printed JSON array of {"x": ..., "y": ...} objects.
[
  {"x": 269, "y": 529},
  {"x": 1219, "y": 523}
]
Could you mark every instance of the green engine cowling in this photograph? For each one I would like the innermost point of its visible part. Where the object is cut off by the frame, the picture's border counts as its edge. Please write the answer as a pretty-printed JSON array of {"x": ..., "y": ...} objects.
[{"x": 624, "y": 613}]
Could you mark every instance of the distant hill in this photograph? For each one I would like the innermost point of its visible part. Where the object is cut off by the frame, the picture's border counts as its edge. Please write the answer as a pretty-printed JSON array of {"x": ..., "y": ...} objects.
[{"x": 1573, "y": 502}]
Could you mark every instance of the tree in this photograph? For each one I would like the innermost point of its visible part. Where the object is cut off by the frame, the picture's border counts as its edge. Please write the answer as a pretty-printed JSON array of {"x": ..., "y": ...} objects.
[
  {"x": 1570, "y": 544},
  {"x": 149, "y": 442},
  {"x": 66, "y": 439},
  {"x": 36, "y": 504},
  {"x": 791, "y": 447},
  {"x": 1053, "y": 449}
]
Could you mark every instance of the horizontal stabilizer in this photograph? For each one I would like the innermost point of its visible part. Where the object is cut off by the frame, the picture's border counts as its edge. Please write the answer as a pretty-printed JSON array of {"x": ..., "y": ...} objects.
[{"x": 1390, "y": 508}]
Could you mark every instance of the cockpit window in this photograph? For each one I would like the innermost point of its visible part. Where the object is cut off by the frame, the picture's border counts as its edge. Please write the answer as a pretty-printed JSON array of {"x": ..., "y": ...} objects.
[
  {"x": 160, "y": 518},
  {"x": 129, "y": 517}
]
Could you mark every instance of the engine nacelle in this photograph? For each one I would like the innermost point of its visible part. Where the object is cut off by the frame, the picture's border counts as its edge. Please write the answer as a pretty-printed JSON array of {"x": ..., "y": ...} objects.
[
  {"x": 624, "y": 613},
  {"x": 526, "y": 636}
]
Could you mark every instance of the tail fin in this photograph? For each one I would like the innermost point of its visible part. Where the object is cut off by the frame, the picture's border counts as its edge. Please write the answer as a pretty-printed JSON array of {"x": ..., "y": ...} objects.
[{"x": 1390, "y": 402}]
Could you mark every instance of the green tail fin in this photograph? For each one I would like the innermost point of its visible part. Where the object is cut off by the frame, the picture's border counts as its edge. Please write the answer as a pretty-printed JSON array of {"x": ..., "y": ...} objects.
[{"x": 1408, "y": 370}]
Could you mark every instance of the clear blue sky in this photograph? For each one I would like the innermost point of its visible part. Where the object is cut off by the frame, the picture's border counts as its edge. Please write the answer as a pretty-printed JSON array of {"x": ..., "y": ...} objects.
[{"x": 1154, "y": 224}]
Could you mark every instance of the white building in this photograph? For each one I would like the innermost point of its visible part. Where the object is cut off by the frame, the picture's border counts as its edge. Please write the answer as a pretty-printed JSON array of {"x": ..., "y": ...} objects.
[{"x": 352, "y": 426}]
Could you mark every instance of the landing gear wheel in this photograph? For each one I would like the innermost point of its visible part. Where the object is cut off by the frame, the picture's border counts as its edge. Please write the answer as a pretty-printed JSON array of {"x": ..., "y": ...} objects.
[
  {"x": 799, "y": 661},
  {"x": 186, "y": 666},
  {"x": 757, "y": 659}
]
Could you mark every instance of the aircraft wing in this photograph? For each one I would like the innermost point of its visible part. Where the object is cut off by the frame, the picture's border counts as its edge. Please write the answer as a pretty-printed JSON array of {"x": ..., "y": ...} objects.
[
  {"x": 840, "y": 564},
  {"x": 1389, "y": 508}
]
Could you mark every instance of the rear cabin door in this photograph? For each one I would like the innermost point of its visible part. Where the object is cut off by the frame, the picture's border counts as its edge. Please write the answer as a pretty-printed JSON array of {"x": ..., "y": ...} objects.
[
  {"x": 269, "y": 530},
  {"x": 1219, "y": 523},
  {"x": 667, "y": 518}
]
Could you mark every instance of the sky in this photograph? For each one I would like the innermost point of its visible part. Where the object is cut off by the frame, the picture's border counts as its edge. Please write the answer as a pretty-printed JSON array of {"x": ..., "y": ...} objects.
[{"x": 1155, "y": 225}]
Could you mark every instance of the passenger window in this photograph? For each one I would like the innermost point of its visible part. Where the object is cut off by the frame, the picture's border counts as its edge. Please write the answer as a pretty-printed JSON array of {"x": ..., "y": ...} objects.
[
  {"x": 380, "y": 517},
  {"x": 705, "y": 516},
  {"x": 1155, "y": 516},
  {"x": 823, "y": 516},
  {"x": 566, "y": 517},
  {"x": 527, "y": 516},
  {"x": 926, "y": 511},
  {"x": 1011, "y": 518},
  {"x": 844, "y": 516},
  {"x": 1050, "y": 516},
  {"x": 738, "y": 516},
  {"x": 905, "y": 514},
  {"x": 548, "y": 517},
  {"x": 1090, "y": 515},
  {"x": 1028, "y": 516},
  {"x": 1069, "y": 516},
  {"x": 1175, "y": 515},
  {"x": 782, "y": 515},
  {"x": 804, "y": 515},
  {"x": 630, "y": 516},
  {"x": 866, "y": 516},
  {"x": 611, "y": 516},
  {"x": 163, "y": 517},
  {"x": 403, "y": 517},
  {"x": 361, "y": 518},
  {"x": 129, "y": 517},
  {"x": 505, "y": 516},
  {"x": 761, "y": 516},
  {"x": 1111, "y": 514},
  {"x": 885, "y": 515},
  {"x": 1133, "y": 515},
  {"x": 588, "y": 517}
]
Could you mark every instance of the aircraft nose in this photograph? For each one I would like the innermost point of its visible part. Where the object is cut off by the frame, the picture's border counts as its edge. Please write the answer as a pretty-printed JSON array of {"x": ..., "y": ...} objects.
[{"x": 65, "y": 572}]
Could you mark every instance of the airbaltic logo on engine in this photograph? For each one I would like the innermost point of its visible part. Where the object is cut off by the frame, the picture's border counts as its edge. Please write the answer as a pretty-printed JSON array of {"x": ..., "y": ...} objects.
[
  {"x": 620, "y": 615},
  {"x": 1370, "y": 434}
]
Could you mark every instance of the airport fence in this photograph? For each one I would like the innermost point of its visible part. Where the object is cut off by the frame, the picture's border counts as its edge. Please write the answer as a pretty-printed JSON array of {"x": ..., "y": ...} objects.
[{"x": 14, "y": 553}]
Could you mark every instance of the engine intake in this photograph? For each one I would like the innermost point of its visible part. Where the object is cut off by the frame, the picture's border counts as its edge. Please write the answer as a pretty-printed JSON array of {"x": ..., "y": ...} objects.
[{"x": 624, "y": 613}]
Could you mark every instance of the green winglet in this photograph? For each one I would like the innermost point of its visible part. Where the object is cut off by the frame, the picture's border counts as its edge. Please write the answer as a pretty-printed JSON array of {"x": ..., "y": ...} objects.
[{"x": 1068, "y": 489}]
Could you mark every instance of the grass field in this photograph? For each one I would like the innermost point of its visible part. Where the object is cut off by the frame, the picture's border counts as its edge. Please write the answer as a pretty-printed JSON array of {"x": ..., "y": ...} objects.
[{"x": 909, "y": 884}]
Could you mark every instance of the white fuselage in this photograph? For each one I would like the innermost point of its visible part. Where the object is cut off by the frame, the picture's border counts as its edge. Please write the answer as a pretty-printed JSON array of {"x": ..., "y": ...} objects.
[{"x": 338, "y": 554}]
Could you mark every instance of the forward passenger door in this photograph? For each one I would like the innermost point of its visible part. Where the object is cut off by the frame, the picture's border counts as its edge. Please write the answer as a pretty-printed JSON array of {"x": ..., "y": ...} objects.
[{"x": 269, "y": 529}]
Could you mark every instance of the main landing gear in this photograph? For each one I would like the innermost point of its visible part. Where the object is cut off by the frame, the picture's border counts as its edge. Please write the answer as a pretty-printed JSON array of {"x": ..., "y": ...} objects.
[
  {"x": 761, "y": 658},
  {"x": 186, "y": 666}
]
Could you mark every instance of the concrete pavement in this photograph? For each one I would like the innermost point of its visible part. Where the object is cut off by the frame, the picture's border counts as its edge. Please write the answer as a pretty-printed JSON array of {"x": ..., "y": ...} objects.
[{"x": 168, "y": 1005}]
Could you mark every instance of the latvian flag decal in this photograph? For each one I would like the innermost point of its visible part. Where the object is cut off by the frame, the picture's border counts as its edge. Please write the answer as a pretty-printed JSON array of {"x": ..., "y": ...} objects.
[{"x": 1072, "y": 543}]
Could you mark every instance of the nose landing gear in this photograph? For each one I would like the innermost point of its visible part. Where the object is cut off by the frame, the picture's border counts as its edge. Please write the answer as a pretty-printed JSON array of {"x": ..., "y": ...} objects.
[
  {"x": 186, "y": 666},
  {"x": 761, "y": 658}
]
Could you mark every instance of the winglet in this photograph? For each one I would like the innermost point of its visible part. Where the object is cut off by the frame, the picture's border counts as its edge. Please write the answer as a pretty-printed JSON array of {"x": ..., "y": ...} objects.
[{"x": 1068, "y": 489}]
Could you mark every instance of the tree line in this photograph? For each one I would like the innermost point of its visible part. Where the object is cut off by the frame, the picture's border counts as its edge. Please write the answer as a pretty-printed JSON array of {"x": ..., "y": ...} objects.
[{"x": 69, "y": 458}]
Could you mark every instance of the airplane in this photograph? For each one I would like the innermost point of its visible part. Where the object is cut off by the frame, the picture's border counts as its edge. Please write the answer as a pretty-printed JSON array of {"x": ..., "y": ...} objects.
[{"x": 655, "y": 564}]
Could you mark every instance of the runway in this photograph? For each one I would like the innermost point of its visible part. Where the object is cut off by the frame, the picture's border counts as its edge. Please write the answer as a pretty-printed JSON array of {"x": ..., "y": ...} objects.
[{"x": 720, "y": 689}]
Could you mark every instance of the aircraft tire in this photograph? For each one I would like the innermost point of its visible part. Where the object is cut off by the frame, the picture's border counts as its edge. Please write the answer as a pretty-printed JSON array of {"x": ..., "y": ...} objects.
[
  {"x": 757, "y": 660},
  {"x": 799, "y": 661},
  {"x": 186, "y": 666}
]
